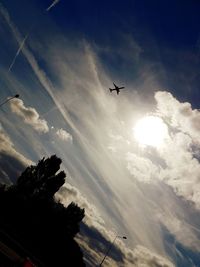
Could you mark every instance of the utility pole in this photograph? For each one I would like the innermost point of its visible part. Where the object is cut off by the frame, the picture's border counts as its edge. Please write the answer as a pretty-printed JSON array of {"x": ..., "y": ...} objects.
[{"x": 109, "y": 248}]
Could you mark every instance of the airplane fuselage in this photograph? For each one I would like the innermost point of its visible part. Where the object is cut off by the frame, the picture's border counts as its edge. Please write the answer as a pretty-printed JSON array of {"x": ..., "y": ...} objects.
[{"x": 117, "y": 89}]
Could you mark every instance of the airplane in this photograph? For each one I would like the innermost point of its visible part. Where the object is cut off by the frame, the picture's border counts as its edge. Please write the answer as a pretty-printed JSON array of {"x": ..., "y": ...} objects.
[{"x": 116, "y": 88}]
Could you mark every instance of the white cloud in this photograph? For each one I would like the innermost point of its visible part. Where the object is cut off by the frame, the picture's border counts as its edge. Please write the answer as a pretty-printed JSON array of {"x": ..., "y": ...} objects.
[
  {"x": 145, "y": 258},
  {"x": 69, "y": 193},
  {"x": 183, "y": 169},
  {"x": 142, "y": 168},
  {"x": 40, "y": 74},
  {"x": 64, "y": 135},
  {"x": 180, "y": 115},
  {"x": 83, "y": 100},
  {"x": 12, "y": 162},
  {"x": 87, "y": 102},
  {"x": 185, "y": 233},
  {"x": 29, "y": 115},
  {"x": 7, "y": 147},
  {"x": 139, "y": 256}
]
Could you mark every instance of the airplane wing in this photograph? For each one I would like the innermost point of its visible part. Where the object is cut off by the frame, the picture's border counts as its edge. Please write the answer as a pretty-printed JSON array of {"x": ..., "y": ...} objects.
[
  {"x": 122, "y": 87},
  {"x": 115, "y": 85}
]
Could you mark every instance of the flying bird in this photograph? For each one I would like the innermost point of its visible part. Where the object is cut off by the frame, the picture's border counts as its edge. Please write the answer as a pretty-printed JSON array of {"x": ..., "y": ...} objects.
[{"x": 117, "y": 88}]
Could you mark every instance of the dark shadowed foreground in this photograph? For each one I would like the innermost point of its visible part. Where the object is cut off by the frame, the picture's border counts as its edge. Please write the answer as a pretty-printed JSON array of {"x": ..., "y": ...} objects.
[{"x": 32, "y": 217}]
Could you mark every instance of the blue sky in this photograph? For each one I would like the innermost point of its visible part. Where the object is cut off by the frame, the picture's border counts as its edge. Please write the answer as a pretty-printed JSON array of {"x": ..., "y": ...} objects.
[{"x": 72, "y": 54}]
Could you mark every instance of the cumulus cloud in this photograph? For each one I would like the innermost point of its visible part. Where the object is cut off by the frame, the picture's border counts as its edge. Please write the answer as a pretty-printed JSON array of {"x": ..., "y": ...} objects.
[
  {"x": 95, "y": 238},
  {"x": 94, "y": 251},
  {"x": 182, "y": 170},
  {"x": 180, "y": 166},
  {"x": 83, "y": 103},
  {"x": 29, "y": 115},
  {"x": 11, "y": 161},
  {"x": 69, "y": 193},
  {"x": 105, "y": 170},
  {"x": 180, "y": 115},
  {"x": 40, "y": 74},
  {"x": 141, "y": 168},
  {"x": 64, "y": 135}
]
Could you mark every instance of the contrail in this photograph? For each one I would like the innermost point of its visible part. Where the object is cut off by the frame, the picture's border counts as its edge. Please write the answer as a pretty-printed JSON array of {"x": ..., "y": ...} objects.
[
  {"x": 55, "y": 2},
  {"x": 40, "y": 74},
  {"x": 18, "y": 52}
]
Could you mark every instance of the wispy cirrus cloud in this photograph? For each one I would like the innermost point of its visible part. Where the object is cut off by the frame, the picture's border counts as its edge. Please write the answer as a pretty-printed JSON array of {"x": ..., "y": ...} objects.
[
  {"x": 185, "y": 233},
  {"x": 40, "y": 74},
  {"x": 92, "y": 114},
  {"x": 144, "y": 257},
  {"x": 21, "y": 41},
  {"x": 29, "y": 115},
  {"x": 95, "y": 238},
  {"x": 19, "y": 38},
  {"x": 106, "y": 173}
]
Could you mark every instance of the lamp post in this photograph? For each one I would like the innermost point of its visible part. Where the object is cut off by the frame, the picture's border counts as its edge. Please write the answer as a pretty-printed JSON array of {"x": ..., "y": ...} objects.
[
  {"x": 8, "y": 99},
  {"x": 109, "y": 248}
]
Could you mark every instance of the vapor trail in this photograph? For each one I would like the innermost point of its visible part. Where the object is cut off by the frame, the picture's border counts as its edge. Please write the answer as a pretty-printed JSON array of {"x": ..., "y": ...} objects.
[
  {"x": 40, "y": 74},
  {"x": 24, "y": 40},
  {"x": 55, "y": 2},
  {"x": 18, "y": 52}
]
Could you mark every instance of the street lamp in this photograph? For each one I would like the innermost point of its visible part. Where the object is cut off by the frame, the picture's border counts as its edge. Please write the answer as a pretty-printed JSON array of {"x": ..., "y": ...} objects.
[
  {"x": 8, "y": 99},
  {"x": 109, "y": 248}
]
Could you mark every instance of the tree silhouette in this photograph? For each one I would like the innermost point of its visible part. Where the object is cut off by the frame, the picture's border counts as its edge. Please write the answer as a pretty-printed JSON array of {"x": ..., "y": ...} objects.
[
  {"x": 42, "y": 180},
  {"x": 30, "y": 213}
]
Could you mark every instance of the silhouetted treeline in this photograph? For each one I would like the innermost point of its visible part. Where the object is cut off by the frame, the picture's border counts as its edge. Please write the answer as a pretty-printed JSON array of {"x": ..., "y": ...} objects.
[{"x": 43, "y": 226}]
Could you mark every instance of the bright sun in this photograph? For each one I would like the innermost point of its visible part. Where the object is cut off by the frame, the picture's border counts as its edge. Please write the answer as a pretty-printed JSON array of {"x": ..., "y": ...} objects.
[{"x": 150, "y": 131}]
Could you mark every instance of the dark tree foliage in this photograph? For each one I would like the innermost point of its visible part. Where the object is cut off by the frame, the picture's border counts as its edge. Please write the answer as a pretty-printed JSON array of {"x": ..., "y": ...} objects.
[
  {"x": 41, "y": 180},
  {"x": 30, "y": 213}
]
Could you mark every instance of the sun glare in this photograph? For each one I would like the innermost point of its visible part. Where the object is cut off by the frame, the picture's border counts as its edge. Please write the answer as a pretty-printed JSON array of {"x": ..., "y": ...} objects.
[{"x": 150, "y": 131}]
